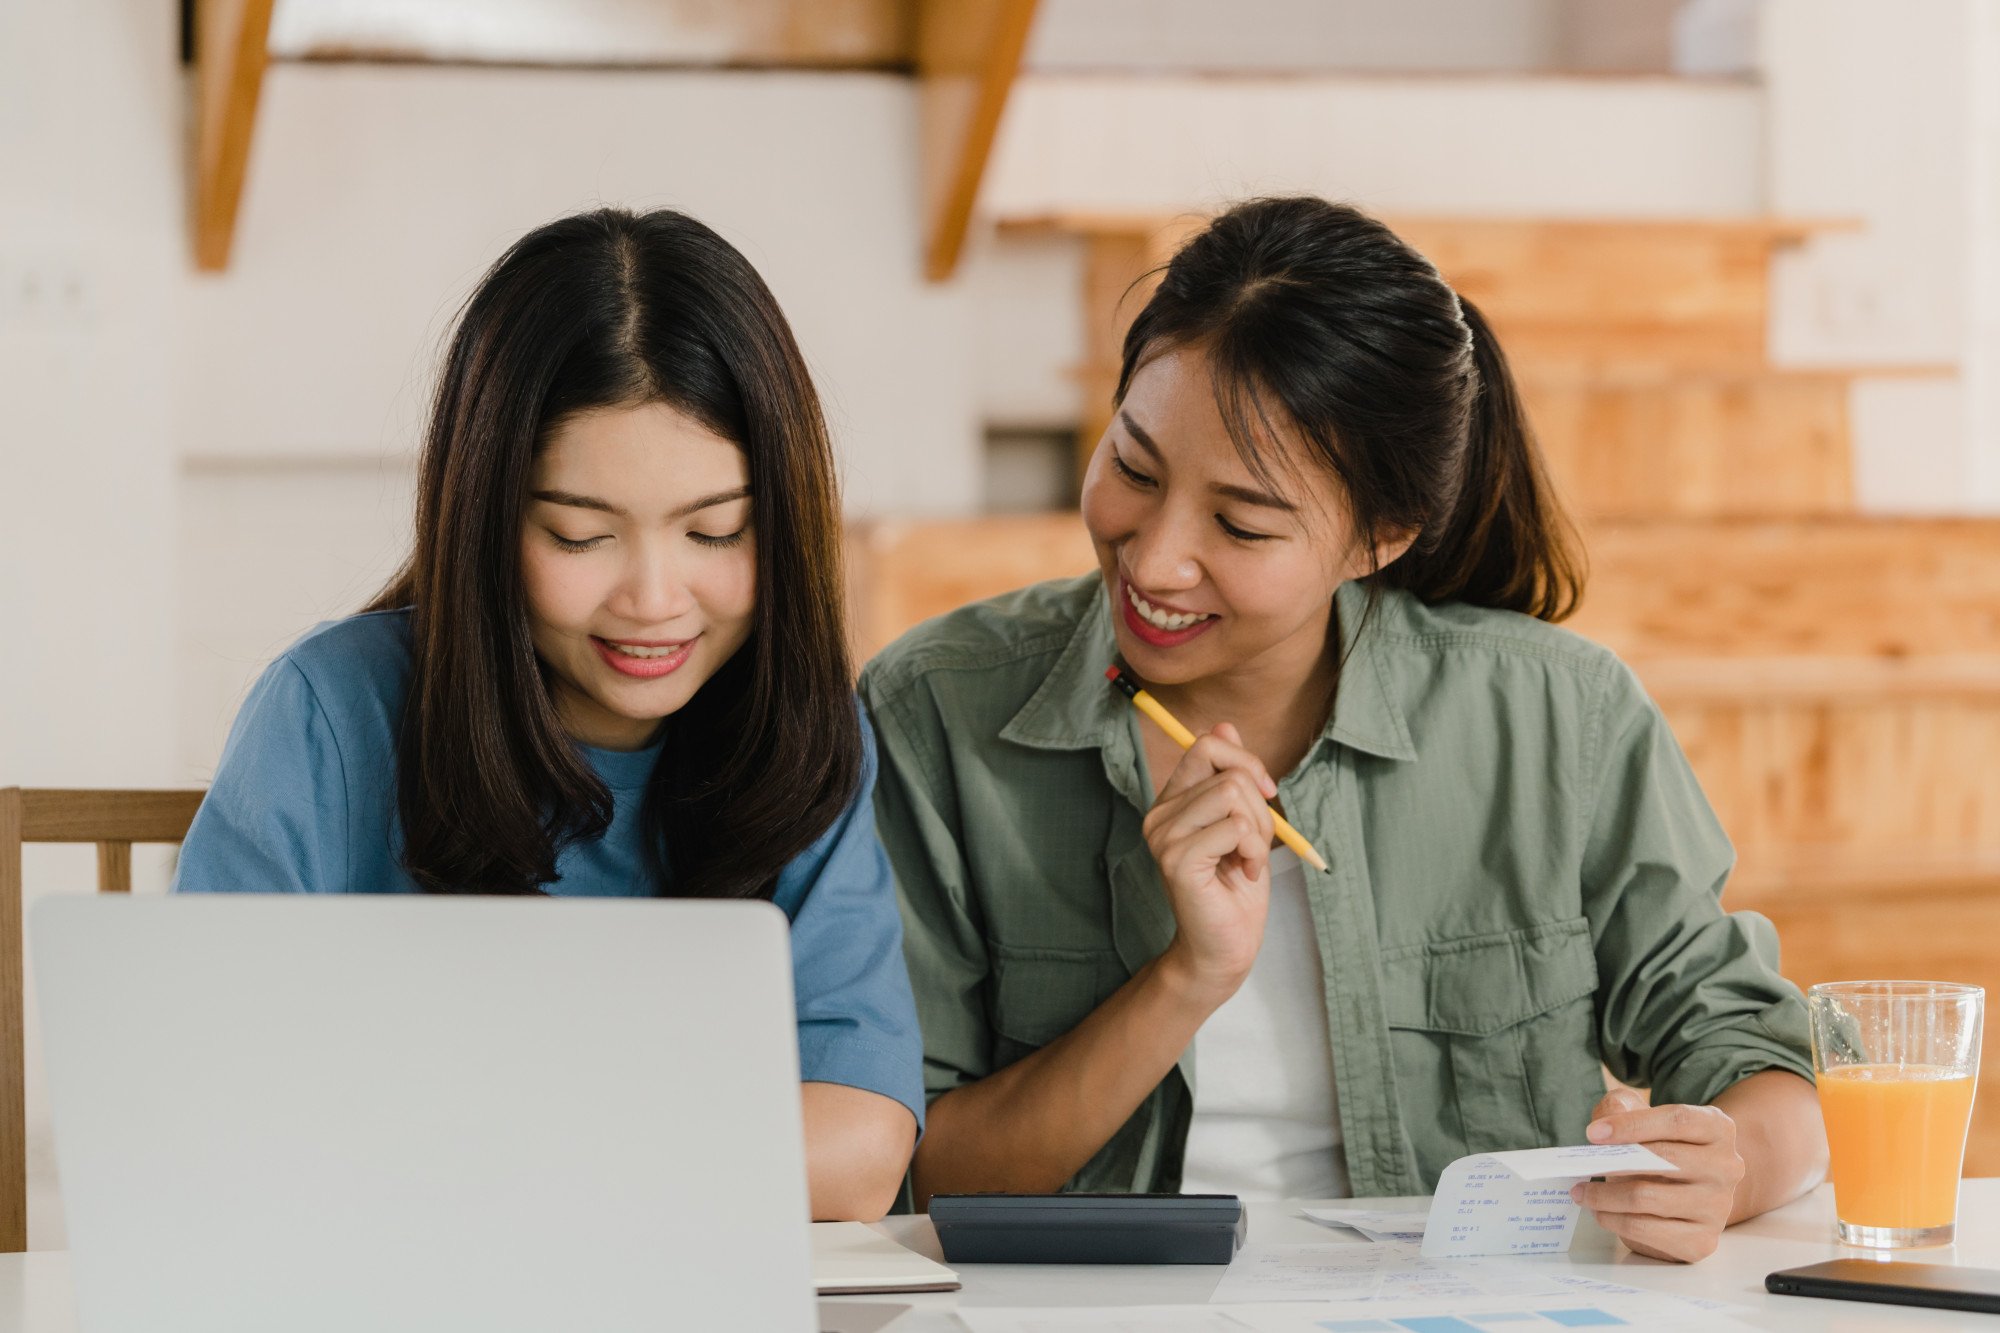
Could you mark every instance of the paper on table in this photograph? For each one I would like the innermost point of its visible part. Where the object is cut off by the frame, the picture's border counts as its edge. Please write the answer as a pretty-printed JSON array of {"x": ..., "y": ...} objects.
[
  {"x": 1121, "y": 1319},
  {"x": 1518, "y": 1202},
  {"x": 852, "y": 1258},
  {"x": 1640, "y": 1312},
  {"x": 1303, "y": 1273},
  {"x": 1375, "y": 1224},
  {"x": 1386, "y": 1272},
  {"x": 1598, "y": 1286}
]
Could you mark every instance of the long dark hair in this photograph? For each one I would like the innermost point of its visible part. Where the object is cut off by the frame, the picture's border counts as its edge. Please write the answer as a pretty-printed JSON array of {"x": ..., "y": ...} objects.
[
  {"x": 611, "y": 308},
  {"x": 1316, "y": 314}
]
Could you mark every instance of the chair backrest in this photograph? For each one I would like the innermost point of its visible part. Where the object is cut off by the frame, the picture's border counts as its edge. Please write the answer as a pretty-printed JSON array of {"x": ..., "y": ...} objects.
[{"x": 114, "y": 820}]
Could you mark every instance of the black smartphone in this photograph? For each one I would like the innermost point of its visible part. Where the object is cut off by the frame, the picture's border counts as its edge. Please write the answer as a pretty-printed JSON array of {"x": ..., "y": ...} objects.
[{"x": 1892, "y": 1282}]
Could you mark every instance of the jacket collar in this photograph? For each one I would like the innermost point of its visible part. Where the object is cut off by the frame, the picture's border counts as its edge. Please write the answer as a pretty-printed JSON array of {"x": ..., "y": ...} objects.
[{"x": 1077, "y": 709}]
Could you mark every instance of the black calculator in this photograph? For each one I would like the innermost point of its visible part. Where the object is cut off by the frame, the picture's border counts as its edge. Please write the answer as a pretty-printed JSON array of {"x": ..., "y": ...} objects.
[{"x": 1088, "y": 1228}]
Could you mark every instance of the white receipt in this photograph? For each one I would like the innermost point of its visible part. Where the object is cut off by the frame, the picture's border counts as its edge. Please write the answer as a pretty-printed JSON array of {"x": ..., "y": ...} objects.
[
  {"x": 1582, "y": 1161},
  {"x": 1518, "y": 1202},
  {"x": 1375, "y": 1224}
]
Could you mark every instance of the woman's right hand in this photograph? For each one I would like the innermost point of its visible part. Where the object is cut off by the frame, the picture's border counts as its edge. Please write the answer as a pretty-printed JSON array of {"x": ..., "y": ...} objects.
[{"x": 1210, "y": 832}]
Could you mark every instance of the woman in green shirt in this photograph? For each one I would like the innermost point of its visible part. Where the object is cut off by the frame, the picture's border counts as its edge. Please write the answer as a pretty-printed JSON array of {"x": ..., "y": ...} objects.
[{"x": 1328, "y": 546}]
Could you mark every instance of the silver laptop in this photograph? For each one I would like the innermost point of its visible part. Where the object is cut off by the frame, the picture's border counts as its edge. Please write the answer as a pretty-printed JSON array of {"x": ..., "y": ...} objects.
[{"x": 291, "y": 1114}]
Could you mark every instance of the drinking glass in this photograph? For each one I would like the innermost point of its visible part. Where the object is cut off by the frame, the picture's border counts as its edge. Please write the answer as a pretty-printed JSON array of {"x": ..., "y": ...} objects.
[{"x": 1896, "y": 1062}]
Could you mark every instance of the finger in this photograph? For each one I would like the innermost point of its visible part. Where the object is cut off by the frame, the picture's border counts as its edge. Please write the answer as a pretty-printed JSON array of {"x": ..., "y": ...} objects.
[
  {"x": 1222, "y": 795},
  {"x": 1618, "y": 1101},
  {"x": 1219, "y": 750},
  {"x": 1677, "y": 1124},
  {"x": 1253, "y": 844},
  {"x": 1201, "y": 850},
  {"x": 1667, "y": 1238},
  {"x": 1649, "y": 1196},
  {"x": 1244, "y": 870}
]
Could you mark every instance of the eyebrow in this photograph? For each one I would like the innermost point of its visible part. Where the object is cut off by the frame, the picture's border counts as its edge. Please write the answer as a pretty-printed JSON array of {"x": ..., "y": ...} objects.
[
  {"x": 575, "y": 501},
  {"x": 1248, "y": 495}
]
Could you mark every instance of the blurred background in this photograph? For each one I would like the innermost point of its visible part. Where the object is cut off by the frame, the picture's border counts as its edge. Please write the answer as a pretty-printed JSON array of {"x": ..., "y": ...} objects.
[{"x": 1745, "y": 256}]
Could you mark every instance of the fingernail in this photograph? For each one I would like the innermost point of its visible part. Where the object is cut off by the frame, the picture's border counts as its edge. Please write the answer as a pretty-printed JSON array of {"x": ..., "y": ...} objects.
[
  {"x": 1576, "y": 1192},
  {"x": 1270, "y": 790},
  {"x": 1598, "y": 1132}
]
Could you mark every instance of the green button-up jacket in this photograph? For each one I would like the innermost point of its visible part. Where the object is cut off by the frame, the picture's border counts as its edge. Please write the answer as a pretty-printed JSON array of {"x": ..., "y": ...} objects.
[{"x": 1525, "y": 877}]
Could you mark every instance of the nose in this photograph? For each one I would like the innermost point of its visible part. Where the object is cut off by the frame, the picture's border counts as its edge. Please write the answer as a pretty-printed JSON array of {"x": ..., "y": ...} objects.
[
  {"x": 651, "y": 588},
  {"x": 1159, "y": 554}
]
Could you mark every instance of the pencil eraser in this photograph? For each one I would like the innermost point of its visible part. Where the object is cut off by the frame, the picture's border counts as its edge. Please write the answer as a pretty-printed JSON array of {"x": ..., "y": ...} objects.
[{"x": 1111, "y": 673}]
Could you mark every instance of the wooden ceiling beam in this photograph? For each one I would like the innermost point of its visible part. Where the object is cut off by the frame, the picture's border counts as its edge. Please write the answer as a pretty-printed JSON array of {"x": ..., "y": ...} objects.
[
  {"x": 231, "y": 38},
  {"x": 968, "y": 54}
]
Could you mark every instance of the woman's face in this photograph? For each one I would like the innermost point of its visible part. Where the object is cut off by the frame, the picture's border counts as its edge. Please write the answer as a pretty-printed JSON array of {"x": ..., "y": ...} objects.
[
  {"x": 1209, "y": 571},
  {"x": 639, "y": 565}
]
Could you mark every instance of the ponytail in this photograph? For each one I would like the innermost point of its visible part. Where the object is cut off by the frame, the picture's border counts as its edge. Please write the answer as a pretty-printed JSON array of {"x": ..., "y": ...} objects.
[
  {"x": 1320, "y": 314},
  {"x": 1505, "y": 542}
]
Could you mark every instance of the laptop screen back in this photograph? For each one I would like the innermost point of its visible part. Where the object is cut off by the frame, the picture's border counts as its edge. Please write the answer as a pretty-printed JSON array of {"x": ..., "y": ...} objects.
[{"x": 427, "y": 1114}]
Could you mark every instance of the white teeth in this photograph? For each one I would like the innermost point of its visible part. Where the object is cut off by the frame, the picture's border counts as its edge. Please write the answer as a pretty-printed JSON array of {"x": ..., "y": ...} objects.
[
  {"x": 1160, "y": 619},
  {"x": 646, "y": 652}
]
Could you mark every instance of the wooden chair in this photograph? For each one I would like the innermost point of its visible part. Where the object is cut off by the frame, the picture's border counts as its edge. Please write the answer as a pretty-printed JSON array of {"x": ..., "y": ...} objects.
[{"x": 114, "y": 820}]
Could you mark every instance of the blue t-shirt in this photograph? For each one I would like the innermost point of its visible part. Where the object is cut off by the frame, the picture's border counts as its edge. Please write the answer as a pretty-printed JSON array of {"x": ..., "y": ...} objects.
[{"x": 305, "y": 802}]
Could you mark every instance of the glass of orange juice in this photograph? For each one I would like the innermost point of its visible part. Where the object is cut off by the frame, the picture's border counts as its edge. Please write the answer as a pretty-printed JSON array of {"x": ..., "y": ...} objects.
[{"x": 1897, "y": 1062}]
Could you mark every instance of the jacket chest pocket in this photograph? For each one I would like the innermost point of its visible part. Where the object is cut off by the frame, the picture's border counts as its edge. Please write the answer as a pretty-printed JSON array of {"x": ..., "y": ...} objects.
[
  {"x": 1493, "y": 1038},
  {"x": 1037, "y": 995}
]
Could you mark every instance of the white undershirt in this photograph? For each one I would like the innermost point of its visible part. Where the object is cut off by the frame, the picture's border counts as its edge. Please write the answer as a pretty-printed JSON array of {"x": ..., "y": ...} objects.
[{"x": 1265, "y": 1124}]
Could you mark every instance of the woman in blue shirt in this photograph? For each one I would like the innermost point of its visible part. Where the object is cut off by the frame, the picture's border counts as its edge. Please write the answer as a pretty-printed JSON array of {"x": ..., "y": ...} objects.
[{"x": 615, "y": 662}]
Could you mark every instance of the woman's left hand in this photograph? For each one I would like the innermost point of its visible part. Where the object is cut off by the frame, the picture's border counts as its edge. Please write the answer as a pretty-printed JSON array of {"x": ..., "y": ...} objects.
[{"x": 1680, "y": 1217}]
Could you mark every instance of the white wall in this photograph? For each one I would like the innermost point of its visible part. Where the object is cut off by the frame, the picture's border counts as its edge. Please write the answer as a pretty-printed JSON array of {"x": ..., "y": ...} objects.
[
  {"x": 270, "y": 548},
  {"x": 90, "y": 246},
  {"x": 379, "y": 193},
  {"x": 1982, "y": 353},
  {"x": 1025, "y": 293},
  {"x": 1266, "y": 35},
  {"x": 1870, "y": 120},
  {"x": 89, "y": 243},
  {"x": 1527, "y": 146}
]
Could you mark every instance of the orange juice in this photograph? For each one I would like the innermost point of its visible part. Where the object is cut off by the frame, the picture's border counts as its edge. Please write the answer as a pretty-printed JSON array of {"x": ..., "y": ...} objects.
[{"x": 1897, "y": 1138}]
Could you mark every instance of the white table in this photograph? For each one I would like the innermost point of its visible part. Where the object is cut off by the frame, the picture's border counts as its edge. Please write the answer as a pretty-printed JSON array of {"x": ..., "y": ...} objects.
[
  {"x": 1799, "y": 1234},
  {"x": 35, "y": 1288}
]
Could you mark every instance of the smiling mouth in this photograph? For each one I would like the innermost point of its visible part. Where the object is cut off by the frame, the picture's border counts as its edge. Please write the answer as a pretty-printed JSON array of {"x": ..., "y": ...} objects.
[
  {"x": 645, "y": 652},
  {"x": 646, "y": 661},
  {"x": 1169, "y": 621}
]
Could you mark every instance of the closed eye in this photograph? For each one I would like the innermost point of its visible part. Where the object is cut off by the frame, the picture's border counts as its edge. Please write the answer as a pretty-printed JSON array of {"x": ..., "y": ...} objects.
[
  {"x": 1242, "y": 534},
  {"x": 719, "y": 538},
  {"x": 584, "y": 544},
  {"x": 1125, "y": 470}
]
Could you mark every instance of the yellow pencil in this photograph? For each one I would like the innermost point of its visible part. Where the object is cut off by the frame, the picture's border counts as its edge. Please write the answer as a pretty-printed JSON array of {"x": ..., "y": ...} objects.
[{"x": 1184, "y": 738}]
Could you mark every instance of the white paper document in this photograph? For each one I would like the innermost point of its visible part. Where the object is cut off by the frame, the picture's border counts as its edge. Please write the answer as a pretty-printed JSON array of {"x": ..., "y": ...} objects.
[
  {"x": 1640, "y": 1312},
  {"x": 1605, "y": 1305},
  {"x": 851, "y": 1257},
  {"x": 1385, "y": 1272},
  {"x": 1597, "y": 1286},
  {"x": 1518, "y": 1202},
  {"x": 1116, "y": 1319},
  {"x": 1582, "y": 1161},
  {"x": 1375, "y": 1224}
]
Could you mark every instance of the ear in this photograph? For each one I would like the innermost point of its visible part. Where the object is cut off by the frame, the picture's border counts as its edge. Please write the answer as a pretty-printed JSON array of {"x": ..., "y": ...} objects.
[{"x": 1391, "y": 547}]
